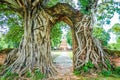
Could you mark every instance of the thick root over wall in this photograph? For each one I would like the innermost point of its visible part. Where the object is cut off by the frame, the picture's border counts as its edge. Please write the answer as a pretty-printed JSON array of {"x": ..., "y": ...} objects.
[{"x": 89, "y": 51}]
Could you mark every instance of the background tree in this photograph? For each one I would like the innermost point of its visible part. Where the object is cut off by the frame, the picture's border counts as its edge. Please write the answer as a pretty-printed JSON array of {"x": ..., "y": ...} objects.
[
  {"x": 115, "y": 30},
  {"x": 56, "y": 35},
  {"x": 14, "y": 24},
  {"x": 102, "y": 35},
  {"x": 69, "y": 37}
]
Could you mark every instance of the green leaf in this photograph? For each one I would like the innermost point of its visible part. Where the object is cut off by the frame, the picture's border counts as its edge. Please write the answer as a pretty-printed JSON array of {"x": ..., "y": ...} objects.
[{"x": 85, "y": 68}]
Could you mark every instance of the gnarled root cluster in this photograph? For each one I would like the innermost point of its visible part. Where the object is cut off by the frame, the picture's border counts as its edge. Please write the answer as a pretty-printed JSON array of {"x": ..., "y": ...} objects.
[
  {"x": 89, "y": 49},
  {"x": 28, "y": 58}
]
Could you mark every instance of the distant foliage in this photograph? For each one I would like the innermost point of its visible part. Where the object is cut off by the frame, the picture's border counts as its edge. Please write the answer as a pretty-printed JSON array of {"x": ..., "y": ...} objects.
[
  {"x": 85, "y": 6},
  {"x": 115, "y": 72},
  {"x": 3, "y": 44},
  {"x": 54, "y": 2},
  {"x": 106, "y": 11},
  {"x": 102, "y": 35},
  {"x": 116, "y": 30},
  {"x": 15, "y": 24},
  {"x": 69, "y": 38},
  {"x": 56, "y": 35},
  {"x": 14, "y": 36}
]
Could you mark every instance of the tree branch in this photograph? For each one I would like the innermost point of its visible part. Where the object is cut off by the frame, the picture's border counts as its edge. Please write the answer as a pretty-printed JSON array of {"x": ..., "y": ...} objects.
[
  {"x": 11, "y": 5},
  {"x": 9, "y": 2},
  {"x": 35, "y": 2}
]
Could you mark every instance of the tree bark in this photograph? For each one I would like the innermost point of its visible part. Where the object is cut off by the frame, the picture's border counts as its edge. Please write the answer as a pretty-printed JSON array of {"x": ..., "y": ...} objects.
[{"x": 89, "y": 49}]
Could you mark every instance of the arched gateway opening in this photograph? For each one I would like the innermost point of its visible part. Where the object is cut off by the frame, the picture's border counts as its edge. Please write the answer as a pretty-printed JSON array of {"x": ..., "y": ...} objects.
[{"x": 62, "y": 53}]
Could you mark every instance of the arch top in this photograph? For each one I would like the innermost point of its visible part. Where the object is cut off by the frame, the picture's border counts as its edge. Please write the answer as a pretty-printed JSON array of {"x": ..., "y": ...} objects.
[{"x": 64, "y": 12}]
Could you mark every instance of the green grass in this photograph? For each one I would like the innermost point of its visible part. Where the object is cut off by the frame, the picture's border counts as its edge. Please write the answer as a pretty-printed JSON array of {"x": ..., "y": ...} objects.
[
  {"x": 103, "y": 78},
  {"x": 97, "y": 78},
  {"x": 70, "y": 54}
]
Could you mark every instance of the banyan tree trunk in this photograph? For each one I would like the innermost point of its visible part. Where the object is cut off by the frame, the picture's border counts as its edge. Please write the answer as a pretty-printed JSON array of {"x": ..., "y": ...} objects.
[
  {"x": 34, "y": 49},
  {"x": 89, "y": 51}
]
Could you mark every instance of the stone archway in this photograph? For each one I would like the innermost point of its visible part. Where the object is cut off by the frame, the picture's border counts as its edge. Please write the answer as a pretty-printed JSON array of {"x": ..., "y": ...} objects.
[
  {"x": 86, "y": 48},
  {"x": 74, "y": 40},
  {"x": 71, "y": 17}
]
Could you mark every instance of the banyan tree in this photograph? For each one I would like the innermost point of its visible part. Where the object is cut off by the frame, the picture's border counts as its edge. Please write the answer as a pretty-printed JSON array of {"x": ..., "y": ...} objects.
[{"x": 34, "y": 50}]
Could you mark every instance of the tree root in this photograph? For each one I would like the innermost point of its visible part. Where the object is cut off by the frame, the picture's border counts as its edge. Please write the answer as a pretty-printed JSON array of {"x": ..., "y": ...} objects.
[{"x": 89, "y": 49}]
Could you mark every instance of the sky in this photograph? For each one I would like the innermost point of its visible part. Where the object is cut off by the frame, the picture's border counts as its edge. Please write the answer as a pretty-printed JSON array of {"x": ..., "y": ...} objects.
[{"x": 114, "y": 20}]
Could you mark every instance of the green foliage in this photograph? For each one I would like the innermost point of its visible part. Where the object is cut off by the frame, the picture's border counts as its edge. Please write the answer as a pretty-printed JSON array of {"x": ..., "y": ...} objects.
[
  {"x": 102, "y": 35},
  {"x": 3, "y": 44},
  {"x": 109, "y": 71},
  {"x": 15, "y": 24},
  {"x": 38, "y": 75},
  {"x": 15, "y": 32},
  {"x": 115, "y": 29},
  {"x": 108, "y": 64},
  {"x": 114, "y": 46},
  {"x": 52, "y": 2},
  {"x": 106, "y": 73},
  {"x": 9, "y": 76},
  {"x": 87, "y": 67},
  {"x": 116, "y": 71},
  {"x": 112, "y": 71},
  {"x": 106, "y": 12},
  {"x": 56, "y": 34},
  {"x": 85, "y": 6},
  {"x": 28, "y": 74},
  {"x": 3, "y": 6},
  {"x": 69, "y": 38},
  {"x": 14, "y": 36},
  {"x": 76, "y": 72}
]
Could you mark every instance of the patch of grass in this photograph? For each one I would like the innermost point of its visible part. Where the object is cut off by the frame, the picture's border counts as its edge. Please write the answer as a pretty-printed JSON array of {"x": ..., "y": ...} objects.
[
  {"x": 116, "y": 71},
  {"x": 76, "y": 72},
  {"x": 70, "y": 54},
  {"x": 28, "y": 74},
  {"x": 102, "y": 78},
  {"x": 14, "y": 76},
  {"x": 9, "y": 76},
  {"x": 106, "y": 73},
  {"x": 38, "y": 75}
]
